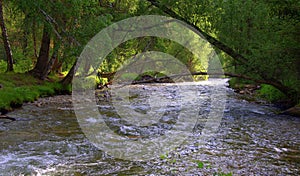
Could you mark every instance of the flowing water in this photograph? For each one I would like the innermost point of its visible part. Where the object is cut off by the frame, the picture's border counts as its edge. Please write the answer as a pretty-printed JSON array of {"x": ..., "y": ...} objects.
[{"x": 251, "y": 139}]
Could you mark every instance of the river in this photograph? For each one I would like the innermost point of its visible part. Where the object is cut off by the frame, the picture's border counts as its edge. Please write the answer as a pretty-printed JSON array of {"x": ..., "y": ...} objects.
[{"x": 251, "y": 139}]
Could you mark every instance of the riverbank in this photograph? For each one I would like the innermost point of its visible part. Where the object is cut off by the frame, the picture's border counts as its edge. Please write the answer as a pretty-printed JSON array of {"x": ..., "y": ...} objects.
[
  {"x": 18, "y": 88},
  {"x": 263, "y": 94}
]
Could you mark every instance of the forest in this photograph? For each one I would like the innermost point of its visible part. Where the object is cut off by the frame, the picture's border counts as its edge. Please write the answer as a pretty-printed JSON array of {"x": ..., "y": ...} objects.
[
  {"x": 230, "y": 106},
  {"x": 257, "y": 41}
]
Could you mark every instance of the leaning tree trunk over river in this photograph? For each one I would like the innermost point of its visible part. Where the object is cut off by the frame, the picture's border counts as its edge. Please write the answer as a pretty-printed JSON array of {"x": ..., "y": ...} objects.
[
  {"x": 43, "y": 59},
  {"x": 68, "y": 79},
  {"x": 288, "y": 91},
  {"x": 5, "y": 40}
]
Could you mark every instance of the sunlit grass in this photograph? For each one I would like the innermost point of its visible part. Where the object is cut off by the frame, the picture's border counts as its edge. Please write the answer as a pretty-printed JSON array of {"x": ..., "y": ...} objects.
[{"x": 17, "y": 88}]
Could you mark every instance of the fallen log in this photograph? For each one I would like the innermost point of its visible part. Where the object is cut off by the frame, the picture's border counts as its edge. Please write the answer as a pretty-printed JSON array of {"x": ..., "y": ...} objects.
[
  {"x": 275, "y": 83},
  {"x": 169, "y": 77}
]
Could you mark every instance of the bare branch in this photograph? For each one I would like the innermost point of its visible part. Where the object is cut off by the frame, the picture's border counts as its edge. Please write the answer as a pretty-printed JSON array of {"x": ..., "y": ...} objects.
[{"x": 53, "y": 22}]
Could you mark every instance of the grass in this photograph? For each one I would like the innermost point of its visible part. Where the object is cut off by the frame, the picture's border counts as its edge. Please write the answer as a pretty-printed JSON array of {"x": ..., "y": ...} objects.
[
  {"x": 17, "y": 88},
  {"x": 270, "y": 93}
]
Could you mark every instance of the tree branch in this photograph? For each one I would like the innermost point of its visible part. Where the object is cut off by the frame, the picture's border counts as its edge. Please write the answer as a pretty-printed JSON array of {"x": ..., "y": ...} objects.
[
  {"x": 288, "y": 91},
  {"x": 52, "y": 21}
]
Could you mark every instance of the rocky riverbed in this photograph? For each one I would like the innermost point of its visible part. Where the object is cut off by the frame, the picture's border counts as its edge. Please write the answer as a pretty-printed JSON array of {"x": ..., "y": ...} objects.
[{"x": 46, "y": 138}]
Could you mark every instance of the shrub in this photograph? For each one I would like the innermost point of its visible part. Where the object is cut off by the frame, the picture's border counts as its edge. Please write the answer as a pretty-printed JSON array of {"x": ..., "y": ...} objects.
[{"x": 270, "y": 93}]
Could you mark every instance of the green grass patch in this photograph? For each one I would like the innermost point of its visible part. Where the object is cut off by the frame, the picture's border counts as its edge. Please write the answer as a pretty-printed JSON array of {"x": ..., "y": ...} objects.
[
  {"x": 18, "y": 88},
  {"x": 270, "y": 93}
]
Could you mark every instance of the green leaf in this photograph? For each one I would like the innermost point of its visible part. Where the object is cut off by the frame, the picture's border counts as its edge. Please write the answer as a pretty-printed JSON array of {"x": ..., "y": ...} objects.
[
  {"x": 200, "y": 165},
  {"x": 163, "y": 156}
]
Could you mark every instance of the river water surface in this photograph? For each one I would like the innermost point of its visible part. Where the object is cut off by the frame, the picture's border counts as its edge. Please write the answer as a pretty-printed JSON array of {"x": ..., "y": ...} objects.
[{"x": 252, "y": 139}]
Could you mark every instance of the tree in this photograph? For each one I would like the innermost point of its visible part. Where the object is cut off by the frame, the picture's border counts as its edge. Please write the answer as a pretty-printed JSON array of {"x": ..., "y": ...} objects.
[
  {"x": 250, "y": 56},
  {"x": 43, "y": 59},
  {"x": 5, "y": 40},
  {"x": 266, "y": 33}
]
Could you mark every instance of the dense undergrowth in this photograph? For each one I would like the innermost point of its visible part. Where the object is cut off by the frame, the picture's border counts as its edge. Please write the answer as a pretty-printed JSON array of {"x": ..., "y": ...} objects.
[{"x": 17, "y": 88}]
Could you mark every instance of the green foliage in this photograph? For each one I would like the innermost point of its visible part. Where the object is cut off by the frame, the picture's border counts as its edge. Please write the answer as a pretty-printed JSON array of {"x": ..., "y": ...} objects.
[
  {"x": 207, "y": 165},
  {"x": 22, "y": 63},
  {"x": 20, "y": 66},
  {"x": 222, "y": 174},
  {"x": 270, "y": 93},
  {"x": 3, "y": 66},
  {"x": 203, "y": 164},
  {"x": 88, "y": 82},
  {"x": 264, "y": 32},
  {"x": 129, "y": 76},
  {"x": 151, "y": 73},
  {"x": 200, "y": 165},
  {"x": 163, "y": 156}
]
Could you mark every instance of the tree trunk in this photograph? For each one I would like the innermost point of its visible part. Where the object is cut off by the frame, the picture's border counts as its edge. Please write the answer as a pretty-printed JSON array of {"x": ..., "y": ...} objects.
[
  {"x": 5, "y": 40},
  {"x": 213, "y": 41},
  {"x": 52, "y": 60},
  {"x": 236, "y": 56},
  {"x": 68, "y": 79},
  {"x": 43, "y": 59},
  {"x": 34, "y": 39},
  {"x": 57, "y": 66}
]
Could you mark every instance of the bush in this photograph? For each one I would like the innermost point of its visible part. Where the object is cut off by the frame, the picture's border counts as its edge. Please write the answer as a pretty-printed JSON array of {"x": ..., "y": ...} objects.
[
  {"x": 3, "y": 66},
  {"x": 270, "y": 93}
]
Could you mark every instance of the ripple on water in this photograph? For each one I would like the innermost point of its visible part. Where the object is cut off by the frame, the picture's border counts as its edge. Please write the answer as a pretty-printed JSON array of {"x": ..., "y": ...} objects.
[{"x": 46, "y": 138}]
